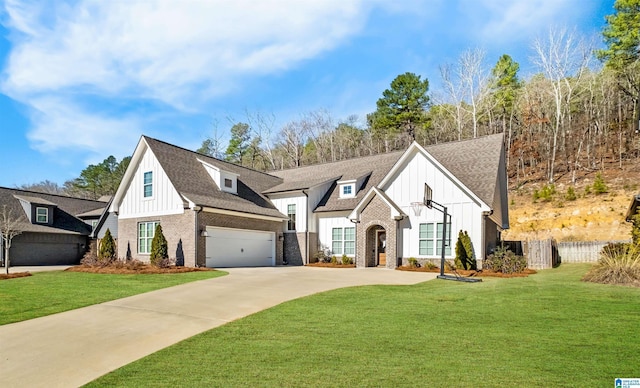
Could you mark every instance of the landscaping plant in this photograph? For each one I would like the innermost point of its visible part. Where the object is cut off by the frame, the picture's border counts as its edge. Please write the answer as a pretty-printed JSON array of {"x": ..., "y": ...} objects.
[
  {"x": 159, "y": 249},
  {"x": 619, "y": 264},
  {"x": 107, "y": 250},
  {"x": 464, "y": 252},
  {"x": 505, "y": 261}
]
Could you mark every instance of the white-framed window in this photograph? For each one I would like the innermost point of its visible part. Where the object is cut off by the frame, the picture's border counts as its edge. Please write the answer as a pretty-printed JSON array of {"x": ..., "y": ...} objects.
[
  {"x": 291, "y": 213},
  {"x": 430, "y": 243},
  {"x": 145, "y": 236},
  {"x": 343, "y": 241},
  {"x": 346, "y": 190},
  {"x": 228, "y": 183},
  {"x": 42, "y": 215},
  {"x": 148, "y": 184}
]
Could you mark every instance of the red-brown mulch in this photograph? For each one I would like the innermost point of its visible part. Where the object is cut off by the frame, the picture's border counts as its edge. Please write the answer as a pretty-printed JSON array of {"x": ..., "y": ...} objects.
[
  {"x": 471, "y": 273},
  {"x": 14, "y": 275},
  {"x": 331, "y": 265},
  {"x": 141, "y": 269}
]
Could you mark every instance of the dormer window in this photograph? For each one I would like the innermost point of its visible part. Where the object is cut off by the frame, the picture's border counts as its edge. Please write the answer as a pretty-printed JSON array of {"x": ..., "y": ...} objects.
[
  {"x": 347, "y": 188},
  {"x": 228, "y": 183},
  {"x": 148, "y": 184},
  {"x": 42, "y": 215}
]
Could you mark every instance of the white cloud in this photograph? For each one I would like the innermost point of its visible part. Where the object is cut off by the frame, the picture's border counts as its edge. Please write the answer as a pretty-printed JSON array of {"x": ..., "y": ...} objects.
[
  {"x": 499, "y": 21},
  {"x": 178, "y": 53}
]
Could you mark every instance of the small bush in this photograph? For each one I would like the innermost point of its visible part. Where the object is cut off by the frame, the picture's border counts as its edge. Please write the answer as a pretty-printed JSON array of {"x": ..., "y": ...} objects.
[
  {"x": 159, "y": 249},
  {"x": 321, "y": 257},
  {"x": 90, "y": 259},
  {"x": 505, "y": 261},
  {"x": 635, "y": 228},
  {"x": 571, "y": 194},
  {"x": 107, "y": 247},
  {"x": 464, "y": 252},
  {"x": 165, "y": 262},
  {"x": 413, "y": 262},
  {"x": 346, "y": 260},
  {"x": 430, "y": 265},
  {"x": 615, "y": 249},
  {"x": 334, "y": 260},
  {"x": 587, "y": 190},
  {"x": 617, "y": 265},
  {"x": 599, "y": 187}
]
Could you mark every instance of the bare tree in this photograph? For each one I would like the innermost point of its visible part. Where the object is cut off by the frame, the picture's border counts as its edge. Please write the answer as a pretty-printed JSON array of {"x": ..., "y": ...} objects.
[
  {"x": 474, "y": 78},
  {"x": 560, "y": 57},
  {"x": 9, "y": 228}
]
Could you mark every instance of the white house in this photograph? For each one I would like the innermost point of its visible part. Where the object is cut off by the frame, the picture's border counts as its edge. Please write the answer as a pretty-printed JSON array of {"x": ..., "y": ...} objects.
[{"x": 215, "y": 213}]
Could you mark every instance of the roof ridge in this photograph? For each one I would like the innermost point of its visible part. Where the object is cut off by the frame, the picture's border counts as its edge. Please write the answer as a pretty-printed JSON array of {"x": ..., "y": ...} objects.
[
  {"x": 210, "y": 157},
  {"x": 341, "y": 160}
]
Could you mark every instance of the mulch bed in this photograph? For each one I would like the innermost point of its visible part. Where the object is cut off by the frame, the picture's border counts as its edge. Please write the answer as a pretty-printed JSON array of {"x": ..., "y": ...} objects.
[
  {"x": 331, "y": 265},
  {"x": 470, "y": 273},
  {"x": 14, "y": 275},
  {"x": 143, "y": 269}
]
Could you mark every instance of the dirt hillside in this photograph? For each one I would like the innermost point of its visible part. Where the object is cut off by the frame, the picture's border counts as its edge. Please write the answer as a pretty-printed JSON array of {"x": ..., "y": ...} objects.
[{"x": 588, "y": 217}]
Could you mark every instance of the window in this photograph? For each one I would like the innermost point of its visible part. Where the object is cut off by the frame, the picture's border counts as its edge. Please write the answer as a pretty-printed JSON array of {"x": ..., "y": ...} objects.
[
  {"x": 94, "y": 224},
  {"x": 291, "y": 213},
  {"x": 343, "y": 241},
  {"x": 42, "y": 215},
  {"x": 228, "y": 183},
  {"x": 145, "y": 235},
  {"x": 148, "y": 184},
  {"x": 346, "y": 190},
  {"x": 428, "y": 240}
]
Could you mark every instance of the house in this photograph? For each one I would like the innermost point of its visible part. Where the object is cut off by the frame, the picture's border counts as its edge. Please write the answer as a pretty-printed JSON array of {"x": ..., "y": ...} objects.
[
  {"x": 55, "y": 228},
  {"x": 218, "y": 214},
  {"x": 633, "y": 208}
]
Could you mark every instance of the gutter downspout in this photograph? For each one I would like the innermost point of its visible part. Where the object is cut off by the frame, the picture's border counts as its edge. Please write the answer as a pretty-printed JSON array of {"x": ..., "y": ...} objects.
[
  {"x": 483, "y": 233},
  {"x": 197, "y": 209},
  {"x": 306, "y": 233}
]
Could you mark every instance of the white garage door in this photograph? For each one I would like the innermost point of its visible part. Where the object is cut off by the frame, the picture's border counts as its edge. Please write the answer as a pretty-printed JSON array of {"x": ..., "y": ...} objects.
[{"x": 239, "y": 248}]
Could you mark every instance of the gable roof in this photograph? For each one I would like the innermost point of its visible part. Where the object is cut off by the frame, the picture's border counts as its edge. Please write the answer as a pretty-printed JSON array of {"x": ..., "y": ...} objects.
[
  {"x": 474, "y": 162},
  {"x": 374, "y": 166},
  {"x": 194, "y": 184},
  {"x": 66, "y": 211}
]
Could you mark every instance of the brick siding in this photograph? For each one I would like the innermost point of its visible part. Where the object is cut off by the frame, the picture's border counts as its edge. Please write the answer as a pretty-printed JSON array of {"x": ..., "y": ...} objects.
[{"x": 376, "y": 214}]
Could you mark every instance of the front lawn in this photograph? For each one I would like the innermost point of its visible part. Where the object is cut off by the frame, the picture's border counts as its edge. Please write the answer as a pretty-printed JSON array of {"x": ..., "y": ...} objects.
[
  {"x": 47, "y": 293},
  {"x": 546, "y": 330}
]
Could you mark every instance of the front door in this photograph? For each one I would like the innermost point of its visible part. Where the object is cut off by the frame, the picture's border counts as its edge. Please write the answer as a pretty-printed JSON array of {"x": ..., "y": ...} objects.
[{"x": 381, "y": 238}]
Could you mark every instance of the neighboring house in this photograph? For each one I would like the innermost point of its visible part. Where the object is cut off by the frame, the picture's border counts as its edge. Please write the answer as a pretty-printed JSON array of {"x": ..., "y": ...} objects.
[
  {"x": 218, "y": 214},
  {"x": 633, "y": 208},
  {"x": 55, "y": 228}
]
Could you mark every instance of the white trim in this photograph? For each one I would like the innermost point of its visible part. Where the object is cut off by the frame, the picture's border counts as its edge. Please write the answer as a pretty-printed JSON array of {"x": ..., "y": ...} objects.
[
  {"x": 242, "y": 214},
  {"x": 418, "y": 148},
  {"x": 396, "y": 212}
]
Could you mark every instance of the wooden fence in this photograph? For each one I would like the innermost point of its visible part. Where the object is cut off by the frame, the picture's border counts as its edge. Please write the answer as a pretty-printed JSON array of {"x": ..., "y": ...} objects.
[
  {"x": 543, "y": 254},
  {"x": 582, "y": 251}
]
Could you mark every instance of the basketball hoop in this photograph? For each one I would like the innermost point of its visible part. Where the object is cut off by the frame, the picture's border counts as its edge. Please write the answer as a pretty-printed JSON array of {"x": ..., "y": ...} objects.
[{"x": 417, "y": 208}]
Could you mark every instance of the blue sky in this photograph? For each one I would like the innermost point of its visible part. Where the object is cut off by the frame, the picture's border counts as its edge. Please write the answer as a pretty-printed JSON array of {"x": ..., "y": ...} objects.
[{"x": 82, "y": 80}]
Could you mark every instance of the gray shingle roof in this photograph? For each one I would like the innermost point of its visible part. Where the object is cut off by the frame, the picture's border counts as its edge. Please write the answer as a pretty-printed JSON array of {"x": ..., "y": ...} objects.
[
  {"x": 65, "y": 211},
  {"x": 375, "y": 166},
  {"x": 474, "y": 162},
  {"x": 193, "y": 182}
]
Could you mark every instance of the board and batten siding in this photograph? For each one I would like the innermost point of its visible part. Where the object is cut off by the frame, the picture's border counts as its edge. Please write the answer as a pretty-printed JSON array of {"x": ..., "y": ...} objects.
[
  {"x": 315, "y": 196},
  {"x": 408, "y": 187},
  {"x": 326, "y": 222},
  {"x": 165, "y": 199},
  {"x": 281, "y": 202}
]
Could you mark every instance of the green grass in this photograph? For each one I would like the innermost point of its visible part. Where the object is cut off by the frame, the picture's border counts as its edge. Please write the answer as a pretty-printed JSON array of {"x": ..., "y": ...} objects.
[
  {"x": 546, "y": 330},
  {"x": 47, "y": 293}
]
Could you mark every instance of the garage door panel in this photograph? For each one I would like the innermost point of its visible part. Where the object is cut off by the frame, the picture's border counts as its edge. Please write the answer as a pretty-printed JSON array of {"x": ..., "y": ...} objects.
[{"x": 239, "y": 248}]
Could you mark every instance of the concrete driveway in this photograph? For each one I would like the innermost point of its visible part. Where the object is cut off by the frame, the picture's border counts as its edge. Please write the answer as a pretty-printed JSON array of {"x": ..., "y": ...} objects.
[{"x": 75, "y": 347}]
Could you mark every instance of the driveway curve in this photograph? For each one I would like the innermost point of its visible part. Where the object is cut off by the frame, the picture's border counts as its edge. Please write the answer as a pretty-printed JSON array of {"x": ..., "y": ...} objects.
[{"x": 75, "y": 347}]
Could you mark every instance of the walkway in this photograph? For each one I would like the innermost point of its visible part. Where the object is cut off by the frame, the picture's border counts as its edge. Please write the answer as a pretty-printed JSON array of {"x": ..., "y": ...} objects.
[{"x": 75, "y": 347}]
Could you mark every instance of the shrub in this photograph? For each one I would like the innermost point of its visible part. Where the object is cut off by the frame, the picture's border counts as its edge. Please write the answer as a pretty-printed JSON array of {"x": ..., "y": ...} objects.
[
  {"x": 599, "y": 187},
  {"x": 587, "y": 190},
  {"x": 334, "y": 260},
  {"x": 322, "y": 257},
  {"x": 430, "y": 265},
  {"x": 617, "y": 266},
  {"x": 571, "y": 194},
  {"x": 90, "y": 259},
  {"x": 615, "y": 249},
  {"x": 107, "y": 247},
  {"x": 635, "y": 228},
  {"x": 413, "y": 262},
  {"x": 464, "y": 252},
  {"x": 505, "y": 261},
  {"x": 159, "y": 249},
  {"x": 346, "y": 260}
]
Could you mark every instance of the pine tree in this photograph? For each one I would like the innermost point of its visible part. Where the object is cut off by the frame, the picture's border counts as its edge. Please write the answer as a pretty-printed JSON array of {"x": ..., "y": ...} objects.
[
  {"x": 159, "y": 249},
  {"x": 107, "y": 247}
]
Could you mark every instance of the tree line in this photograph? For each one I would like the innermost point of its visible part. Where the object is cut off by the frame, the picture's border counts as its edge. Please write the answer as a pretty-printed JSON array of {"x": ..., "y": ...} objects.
[{"x": 579, "y": 112}]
